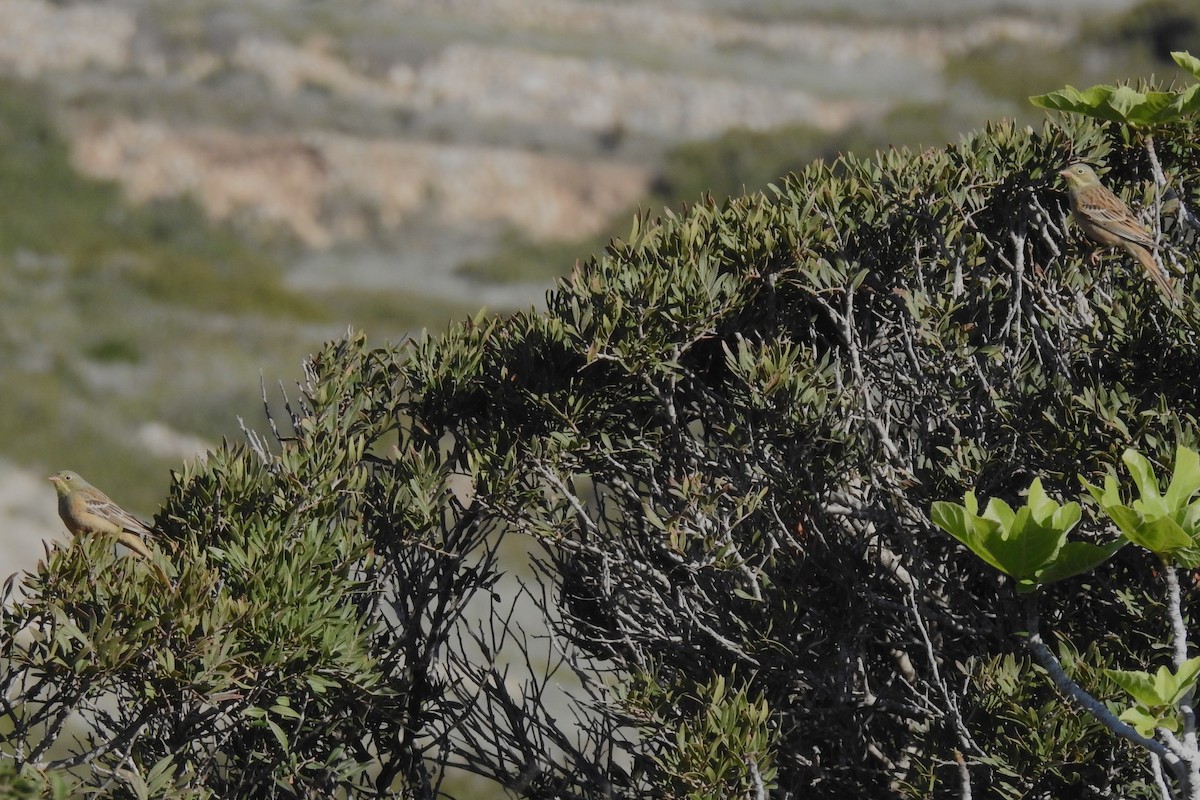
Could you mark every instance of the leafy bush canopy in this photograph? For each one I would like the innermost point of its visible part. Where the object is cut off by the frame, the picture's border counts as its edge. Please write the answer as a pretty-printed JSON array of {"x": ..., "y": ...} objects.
[{"x": 721, "y": 440}]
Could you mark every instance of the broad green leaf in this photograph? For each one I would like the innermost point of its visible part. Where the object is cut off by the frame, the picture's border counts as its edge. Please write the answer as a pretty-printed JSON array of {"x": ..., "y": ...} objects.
[
  {"x": 1046, "y": 511},
  {"x": 1159, "y": 539},
  {"x": 1040, "y": 505},
  {"x": 1018, "y": 543},
  {"x": 1119, "y": 103},
  {"x": 964, "y": 524},
  {"x": 1142, "y": 473},
  {"x": 1151, "y": 108},
  {"x": 1184, "y": 678},
  {"x": 1188, "y": 62},
  {"x": 1026, "y": 546},
  {"x": 1110, "y": 495},
  {"x": 1089, "y": 102},
  {"x": 1188, "y": 558},
  {"x": 1141, "y": 720},
  {"x": 1185, "y": 482},
  {"x": 1076, "y": 558},
  {"x": 1189, "y": 520},
  {"x": 1166, "y": 524},
  {"x": 1138, "y": 685},
  {"x": 1126, "y": 100},
  {"x": 1188, "y": 101},
  {"x": 1164, "y": 688},
  {"x": 961, "y": 523},
  {"x": 1167, "y": 533},
  {"x": 1001, "y": 512}
]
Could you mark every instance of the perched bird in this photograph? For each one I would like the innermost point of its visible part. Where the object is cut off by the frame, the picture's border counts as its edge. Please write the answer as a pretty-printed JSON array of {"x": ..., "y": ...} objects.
[
  {"x": 1107, "y": 221},
  {"x": 87, "y": 510}
]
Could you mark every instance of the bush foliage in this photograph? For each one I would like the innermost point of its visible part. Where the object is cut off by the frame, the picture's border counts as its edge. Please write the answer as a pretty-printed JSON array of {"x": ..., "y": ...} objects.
[{"x": 721, "y": 441}]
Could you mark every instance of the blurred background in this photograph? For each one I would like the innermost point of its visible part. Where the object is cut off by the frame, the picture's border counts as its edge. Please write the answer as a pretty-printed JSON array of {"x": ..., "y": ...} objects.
[{"x": 195, "y": 194}]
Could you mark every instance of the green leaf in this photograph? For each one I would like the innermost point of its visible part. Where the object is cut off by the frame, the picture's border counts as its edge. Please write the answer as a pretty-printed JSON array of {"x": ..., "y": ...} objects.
[
  {"x": 1188, "y": 62},
  {"x": 1164, "y": 688},
  {"x": 1018, "y": 543},
  {"x": 1028, "y": 544},
  {"x": 1186, "y": 480},
  {"x": 1142, "y": 472},
  {"x": 1110, "y": 495},
  {"x": 1090, "y": 102},
  {"x": 280, "y": 736},
  {"x": 1165, "y": 524},
  {"x": 1141, "y": 720},
  {"x": 1076, "y": 558},
  {"x": 1184, "y": 679},
  {"x": 1125, "y": 100},
  {"x": 1159, "y": 536},
  {"x": 284, "y": 711},
  {"x": 1122, "y": 104},
  {"x": 653, "y": 517},
  {"x": 966, "y": 527},
  {"x": 318, "y": 684},
  {"x": 1188, "y": 557},
  {"x": 1188, "y": 101},
  {"x": 1137, "y": 684},
  {"x": 160, "y": 775}
]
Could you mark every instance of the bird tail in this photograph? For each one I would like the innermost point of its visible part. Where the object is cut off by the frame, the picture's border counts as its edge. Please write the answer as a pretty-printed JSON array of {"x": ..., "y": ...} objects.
[
  {"x": 135, "y": 544},
  {"x": 1156, "y": 272}
]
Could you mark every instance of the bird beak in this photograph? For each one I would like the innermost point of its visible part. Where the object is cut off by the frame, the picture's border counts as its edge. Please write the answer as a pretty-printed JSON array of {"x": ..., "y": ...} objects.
[{"x": 1064, "y": 173}]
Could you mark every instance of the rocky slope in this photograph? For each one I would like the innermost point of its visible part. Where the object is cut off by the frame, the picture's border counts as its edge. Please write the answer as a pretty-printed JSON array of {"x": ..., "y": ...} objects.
[{"x": 557, "y": 106}]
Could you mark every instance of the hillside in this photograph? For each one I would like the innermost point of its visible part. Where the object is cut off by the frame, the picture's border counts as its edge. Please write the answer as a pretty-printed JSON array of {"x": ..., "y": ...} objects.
[{"x": 201, "y": 192}]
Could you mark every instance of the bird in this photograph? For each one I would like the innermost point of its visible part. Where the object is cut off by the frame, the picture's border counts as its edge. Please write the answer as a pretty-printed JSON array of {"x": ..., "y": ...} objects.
[
  {"x": 1107, "y": 221},
  {"x": 87, "y": 510}
]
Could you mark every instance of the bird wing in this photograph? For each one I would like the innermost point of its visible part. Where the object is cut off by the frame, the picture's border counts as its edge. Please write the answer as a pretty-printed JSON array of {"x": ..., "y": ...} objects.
[
  {"x": 107, "y": 509},
  {"x": 1108, "y": 212}
]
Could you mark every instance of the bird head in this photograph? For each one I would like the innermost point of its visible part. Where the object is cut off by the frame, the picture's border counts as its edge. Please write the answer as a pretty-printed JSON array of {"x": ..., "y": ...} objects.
[
  {"x": 1079, "y": 175},
  {"x": 67, "y": 481}
]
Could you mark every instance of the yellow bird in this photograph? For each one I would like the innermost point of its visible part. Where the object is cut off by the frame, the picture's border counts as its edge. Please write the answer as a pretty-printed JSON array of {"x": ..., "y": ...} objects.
[
  {"x": 87, "y": 510},
  {"x": 1107, "y": 221}
]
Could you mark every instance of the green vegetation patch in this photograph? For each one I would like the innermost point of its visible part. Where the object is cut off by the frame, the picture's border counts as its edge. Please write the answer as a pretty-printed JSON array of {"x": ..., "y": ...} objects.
[{"x": 167, "y": 251}]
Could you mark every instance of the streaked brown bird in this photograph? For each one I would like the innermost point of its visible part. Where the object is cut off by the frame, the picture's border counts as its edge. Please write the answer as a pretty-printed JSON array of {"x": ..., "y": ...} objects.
[
  {"x": 87, "y": 510},
  {"x": 1107, "y": 221}
]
